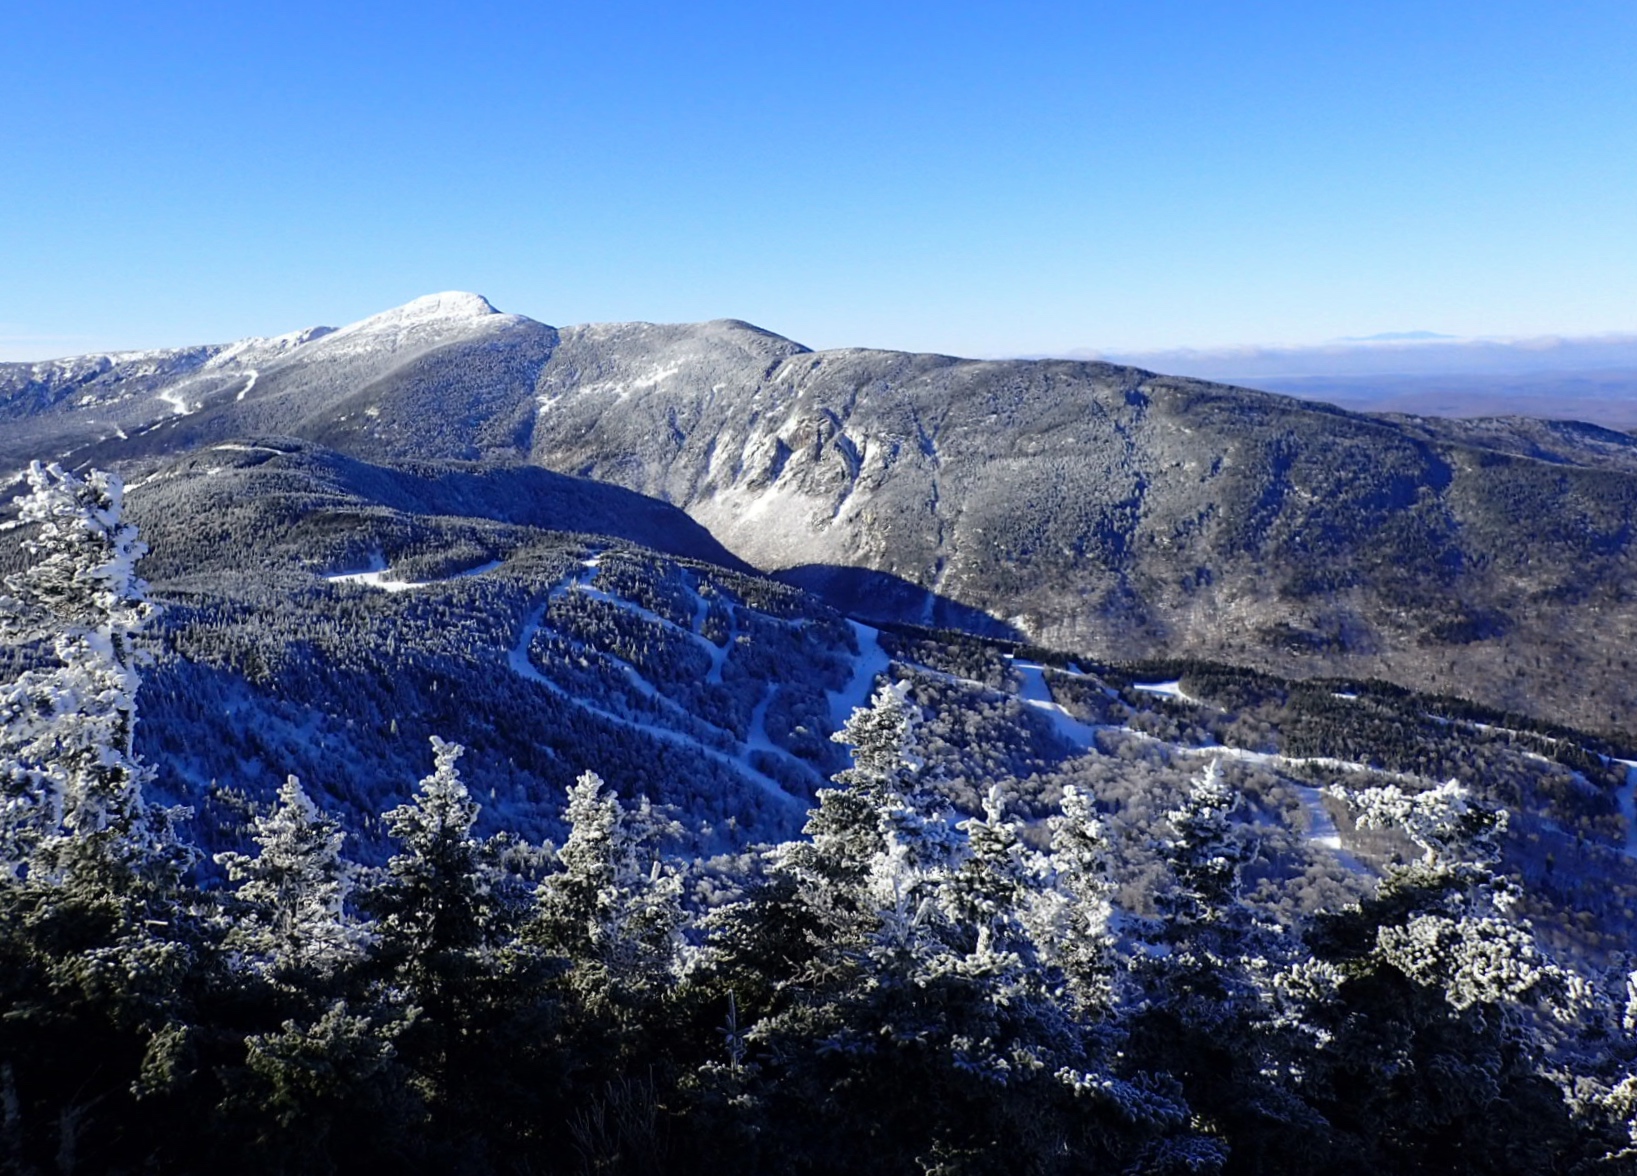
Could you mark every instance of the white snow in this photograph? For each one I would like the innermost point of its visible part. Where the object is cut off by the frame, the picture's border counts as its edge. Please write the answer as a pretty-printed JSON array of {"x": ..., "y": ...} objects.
[
  {"x": 718, "y": 653},
  {"x": 249, "y": 384},
  {"x": 376, "y": 575},
  {"x": 178, "y": 403},
  {"x": 1626, "y": 798},
  {"x": 1273, "y": 759},
  {"x": 518, "y": 656},
  {"x": 234, "y": 447},
  {"x": 1171, "y": 689},
  {"x": 1322, "y": 828},
  {"x": 872, "y": 661},
  {"x": 148, "y": 481},
  {"x": 1038, "y": 694},
  {"x": 425, "y": 322}
]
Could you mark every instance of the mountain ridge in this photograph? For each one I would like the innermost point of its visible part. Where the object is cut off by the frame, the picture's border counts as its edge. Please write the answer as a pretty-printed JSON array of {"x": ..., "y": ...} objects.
[{"x": 1082, "y": 504}]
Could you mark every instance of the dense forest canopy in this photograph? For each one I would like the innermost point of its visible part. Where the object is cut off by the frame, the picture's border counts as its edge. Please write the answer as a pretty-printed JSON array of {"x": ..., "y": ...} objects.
[{"x": 927, "y": 979}]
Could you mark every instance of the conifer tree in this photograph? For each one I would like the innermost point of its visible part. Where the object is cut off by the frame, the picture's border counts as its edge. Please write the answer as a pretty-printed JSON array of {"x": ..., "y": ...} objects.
[
  {"x": 294, "y": 891},
  {"x": 1205, "y": 1013},
  {"x": 614, "y": 906},
  {"x": 71, "y": 783},
  {"x": 466, "y": 1006},
  {"x": 98, "y": 935},
  {"x": 1433, "y": 988},
  {"x": 439, "y": 906},
  {"x": 1073, "y": 920}
]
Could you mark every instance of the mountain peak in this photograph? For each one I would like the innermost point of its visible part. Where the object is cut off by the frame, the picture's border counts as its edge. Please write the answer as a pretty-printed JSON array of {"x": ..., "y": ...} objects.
[
  {"x": 449, "y": 304},
  {"x": 449, "y": 314}
]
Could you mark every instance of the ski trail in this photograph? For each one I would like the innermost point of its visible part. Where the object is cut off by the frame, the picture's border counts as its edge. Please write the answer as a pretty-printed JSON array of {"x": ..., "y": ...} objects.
[
  {"x": 1172, "y": 689},
  {"x": 653, "y": 618},
  {"x": 517, "y": 658},
  {"x": 234, "y": 447},
  {"x": 1626, "y": 798},
  {"x": 718, "y": 653},
  {"x": 1322, "y": 829},
  {"x": 872, "y": 661},
  {"x": 1037, "y": 694},
  {"x": 375, "y": 576},
  {"x": 178, "y": 403},
  {"x": 254, "y": 375}
]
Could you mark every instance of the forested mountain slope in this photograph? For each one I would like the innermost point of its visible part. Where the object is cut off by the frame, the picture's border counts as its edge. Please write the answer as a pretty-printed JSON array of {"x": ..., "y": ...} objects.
[
  {"x": 1050, "y": 916},
  {"x": 1111, "y": 510},
  {"x": 324, "y": 616},
  {"x": 1086, "y": 506}
]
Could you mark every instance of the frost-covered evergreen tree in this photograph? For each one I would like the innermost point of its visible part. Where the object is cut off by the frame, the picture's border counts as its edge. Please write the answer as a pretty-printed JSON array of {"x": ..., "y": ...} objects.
[
  {"x": 613, "y": 906},
  {"x": 1432, "y": 1002},
  {"x": 71, "y": 784},
  {"x": 910, "y": 991},
  {"x": 1206, "y": 1008},
  {"x": 850, "y": 825},
  {"x": 294, "y": 890},
  {"x": 99, "y": 936},
  {"x": 439, "y": 904},
  {"x": 466, "y": 1004},
  {"x": 1205, "y": 852},
  {"x": 1072, "y": 920},
  {"x": 1454, "y": 929}
]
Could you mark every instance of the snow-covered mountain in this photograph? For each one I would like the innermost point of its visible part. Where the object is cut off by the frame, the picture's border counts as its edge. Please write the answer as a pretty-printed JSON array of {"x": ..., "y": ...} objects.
[
  {"x": 1083, "y": 505},
  {"x": 164, "y": 401},
  {"x": 1277, "y": 907}
]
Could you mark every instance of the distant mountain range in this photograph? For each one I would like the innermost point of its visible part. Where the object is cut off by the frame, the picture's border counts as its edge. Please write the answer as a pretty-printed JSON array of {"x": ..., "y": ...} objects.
[
  {"x": 1395, "y": 353},
  {"x": 1083, "y": 505},
  {"x": 1587, "y": 379}
]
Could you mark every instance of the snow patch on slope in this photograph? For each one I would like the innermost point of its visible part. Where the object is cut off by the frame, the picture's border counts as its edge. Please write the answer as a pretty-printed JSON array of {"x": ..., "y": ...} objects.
[
  {"x": 871, "y": 663},
  {"x": 1626, "y": 798},
  {"x": 1037, "y": 694},
  {"x": 375, "y": 576},
  {"x": 1171, "y": 689}
]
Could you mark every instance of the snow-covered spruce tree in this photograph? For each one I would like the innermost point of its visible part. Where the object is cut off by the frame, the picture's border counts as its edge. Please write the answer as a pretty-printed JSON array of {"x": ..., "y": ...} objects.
[
  {"x": 1208, "y": 1007},
  {"x": 71, "y": 800},
  {"x": 613, "y": 907},
  {"x": 866, "y": 851},
  {"x": 1432, "y": 1061},
  {"x": 293, "y": 920},
  {"x": 98, "y": 937},
  {"x": 850, "y": 825},
  {"x": 1206, "y": 852},
  {"x": 468, "y": 1007},
  {"x": 439, "y": 908},
  {"x": 912, "y": 1022},
  {"x": 812, "y": 914},
  {"x": 1602, "y": 1089},
  {"x": 1072, "y": 921}
]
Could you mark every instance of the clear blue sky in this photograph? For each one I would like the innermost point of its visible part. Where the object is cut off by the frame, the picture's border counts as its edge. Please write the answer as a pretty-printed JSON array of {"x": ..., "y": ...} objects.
[{"x": 966, "y": 177}]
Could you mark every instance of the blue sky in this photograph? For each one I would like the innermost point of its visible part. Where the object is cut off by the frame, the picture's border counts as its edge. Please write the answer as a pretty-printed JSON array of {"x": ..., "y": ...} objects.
[{"x": 974, "y": 178}]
